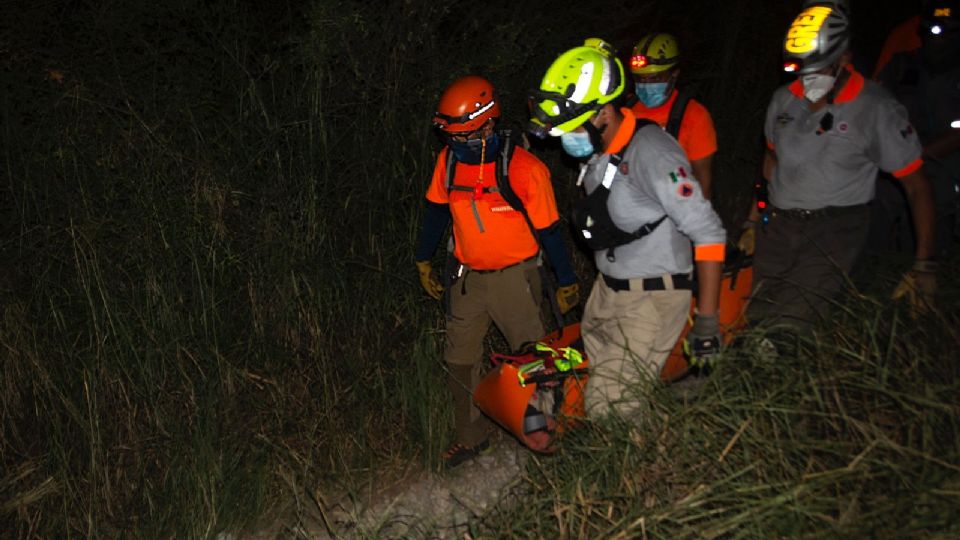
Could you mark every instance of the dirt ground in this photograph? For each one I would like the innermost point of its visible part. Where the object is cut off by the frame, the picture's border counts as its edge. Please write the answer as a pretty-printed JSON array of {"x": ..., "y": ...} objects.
[{"x": 421, "y": 504}]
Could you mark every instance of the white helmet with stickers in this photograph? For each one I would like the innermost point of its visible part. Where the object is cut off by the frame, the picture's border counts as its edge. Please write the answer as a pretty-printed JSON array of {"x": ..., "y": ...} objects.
[{"x": 817, "y": 38}]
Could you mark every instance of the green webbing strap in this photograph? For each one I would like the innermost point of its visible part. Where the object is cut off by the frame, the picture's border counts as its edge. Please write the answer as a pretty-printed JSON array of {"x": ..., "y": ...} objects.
[
  {"x": 564, "y": 360},
  {"x": 569, "y": 357}
]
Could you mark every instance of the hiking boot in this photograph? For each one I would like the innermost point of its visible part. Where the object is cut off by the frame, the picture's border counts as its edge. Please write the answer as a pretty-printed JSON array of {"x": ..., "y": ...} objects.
[{"x": 458, "y": 453}]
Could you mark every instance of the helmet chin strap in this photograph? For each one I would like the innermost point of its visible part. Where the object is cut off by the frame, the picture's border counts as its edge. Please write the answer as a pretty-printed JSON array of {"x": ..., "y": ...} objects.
[
  {"x": 596, "y": 135},
  {"x": 839, "y": 80}
]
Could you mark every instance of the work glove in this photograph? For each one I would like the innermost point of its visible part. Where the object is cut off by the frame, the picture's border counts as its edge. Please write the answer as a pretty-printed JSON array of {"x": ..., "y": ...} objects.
[
  {"x": 703, "y": 341},
  {"x": 428, "y": 280},
  {"x": 748, "y": 238},
  {"x": 568, "y": 296},
  {"x": 918, "y": 286}
]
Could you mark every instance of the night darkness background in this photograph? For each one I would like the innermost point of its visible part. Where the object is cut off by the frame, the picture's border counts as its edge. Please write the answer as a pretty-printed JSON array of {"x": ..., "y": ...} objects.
[{"x": 207, "y": 219}]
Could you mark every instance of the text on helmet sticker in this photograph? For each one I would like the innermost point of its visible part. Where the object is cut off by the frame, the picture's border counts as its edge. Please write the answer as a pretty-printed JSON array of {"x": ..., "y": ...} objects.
[{"x": 802, "y": 36}]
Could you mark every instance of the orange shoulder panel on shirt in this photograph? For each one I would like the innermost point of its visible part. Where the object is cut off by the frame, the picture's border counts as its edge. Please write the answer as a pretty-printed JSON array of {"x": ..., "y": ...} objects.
[{"x": 698, "y": 137}]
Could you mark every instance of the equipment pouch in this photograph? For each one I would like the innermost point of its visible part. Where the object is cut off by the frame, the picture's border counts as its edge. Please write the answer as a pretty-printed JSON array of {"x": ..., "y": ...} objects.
[{"x": 596, "y": 228}]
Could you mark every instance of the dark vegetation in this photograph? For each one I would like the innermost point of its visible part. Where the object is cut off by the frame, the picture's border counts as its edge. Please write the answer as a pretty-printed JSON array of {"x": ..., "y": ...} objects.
[{"x": 209, "y": 306}]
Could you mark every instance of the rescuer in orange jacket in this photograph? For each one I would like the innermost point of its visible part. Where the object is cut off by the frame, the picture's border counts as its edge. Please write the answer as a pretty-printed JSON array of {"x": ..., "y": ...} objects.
[{"x": 500, "y": 200}]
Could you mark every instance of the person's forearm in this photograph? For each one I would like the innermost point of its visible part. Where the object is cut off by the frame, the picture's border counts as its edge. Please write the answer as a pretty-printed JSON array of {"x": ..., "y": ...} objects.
[
  {"x": 923, "y": 211},
  {"x": 943, "y": 145},
  {"x": 435, "y": 222},
  {"x": 754, "y": 214},
  {"x": 708, "y": 286},
  {"x": 551, "y": 239}
]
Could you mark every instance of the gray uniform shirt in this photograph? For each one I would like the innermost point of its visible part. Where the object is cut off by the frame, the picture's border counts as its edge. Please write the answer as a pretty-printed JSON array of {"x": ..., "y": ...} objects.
[
  {"x": 653, "y": 180},
  {"x": 838, "y": 166}
]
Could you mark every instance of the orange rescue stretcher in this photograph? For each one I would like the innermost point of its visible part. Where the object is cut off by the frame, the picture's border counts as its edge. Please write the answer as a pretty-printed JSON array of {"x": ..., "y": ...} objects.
[
  {"x": 537, "y": 395},
  {"x": 735, "y": 287}
]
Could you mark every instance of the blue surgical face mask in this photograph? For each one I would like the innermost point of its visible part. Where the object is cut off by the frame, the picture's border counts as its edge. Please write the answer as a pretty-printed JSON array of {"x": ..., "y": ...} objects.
[
  {"x": 652, "y": 94},
  {"x": 577, "y": 144},
  {"x": 469, "y": 151}
]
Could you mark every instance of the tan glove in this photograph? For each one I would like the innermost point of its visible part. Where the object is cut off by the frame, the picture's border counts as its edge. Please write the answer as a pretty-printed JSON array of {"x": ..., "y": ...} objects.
[
  {"x": 428, "y": 280},
  {"x": 748, "y": 238},
  {"x": 568, "y": 297},
  {"x": 918, "y": 286}
]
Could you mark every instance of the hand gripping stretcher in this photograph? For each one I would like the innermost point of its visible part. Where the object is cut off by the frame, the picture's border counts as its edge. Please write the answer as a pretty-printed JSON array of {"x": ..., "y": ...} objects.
[{"x": 538, "y": 394}]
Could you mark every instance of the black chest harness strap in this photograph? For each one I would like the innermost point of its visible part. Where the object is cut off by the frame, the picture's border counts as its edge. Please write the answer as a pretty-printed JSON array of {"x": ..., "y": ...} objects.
[
  {"x": 675, "y": 118},
  {"x": 591, "y": 215}
]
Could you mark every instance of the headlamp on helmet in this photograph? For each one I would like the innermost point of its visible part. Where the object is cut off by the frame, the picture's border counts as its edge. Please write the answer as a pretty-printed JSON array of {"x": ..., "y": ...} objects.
[
  {"x": 576, "y": 85},
  {"x": 939, "y": 18},
  {"x": 654, "y": 53}
]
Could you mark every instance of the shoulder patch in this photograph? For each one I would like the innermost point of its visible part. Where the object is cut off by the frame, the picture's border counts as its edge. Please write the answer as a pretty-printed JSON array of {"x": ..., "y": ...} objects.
[
  {"x": 685, "y": 190},
  {"x": 843, "y": 127},
  {"x": 624, "y": 168},
  {"x": 677, "y": 175}
]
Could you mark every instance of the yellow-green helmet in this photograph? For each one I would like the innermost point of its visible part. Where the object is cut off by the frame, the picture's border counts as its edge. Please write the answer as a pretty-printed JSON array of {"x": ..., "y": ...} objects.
[
  {"x": 655, "y": 53},
  {"x": 577, "y": 84}
]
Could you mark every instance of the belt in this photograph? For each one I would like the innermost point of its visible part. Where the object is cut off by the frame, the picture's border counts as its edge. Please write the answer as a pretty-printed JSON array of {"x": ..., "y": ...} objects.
[
  {"x": 827, "y": 211},
  {"x": 494, "y": 271},
  {"x": 680, "y": 281}
]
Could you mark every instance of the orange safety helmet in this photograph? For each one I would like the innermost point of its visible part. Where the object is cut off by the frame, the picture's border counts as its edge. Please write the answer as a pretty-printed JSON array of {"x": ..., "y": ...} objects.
[{"x": 466, "y": 105}]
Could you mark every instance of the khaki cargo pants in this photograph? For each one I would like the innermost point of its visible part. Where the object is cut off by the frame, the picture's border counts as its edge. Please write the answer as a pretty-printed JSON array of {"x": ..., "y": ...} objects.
[
  {"x": 510, "y": 298},
  {"x": 628, "y": 336}
]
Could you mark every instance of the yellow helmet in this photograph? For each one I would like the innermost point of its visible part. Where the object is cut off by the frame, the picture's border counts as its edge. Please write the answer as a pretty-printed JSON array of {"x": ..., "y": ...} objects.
[
  {"x": 578, "y": 83},
  {"x": 655, "y": 53}
]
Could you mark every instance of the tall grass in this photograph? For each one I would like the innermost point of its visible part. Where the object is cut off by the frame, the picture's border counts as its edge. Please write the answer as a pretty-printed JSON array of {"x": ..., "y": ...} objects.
[
  {"x": 208, "y": 307},
  {"x": 856, "y": 436}
]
